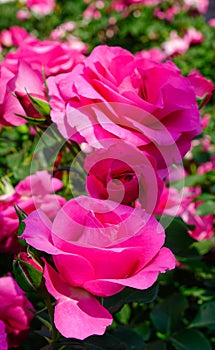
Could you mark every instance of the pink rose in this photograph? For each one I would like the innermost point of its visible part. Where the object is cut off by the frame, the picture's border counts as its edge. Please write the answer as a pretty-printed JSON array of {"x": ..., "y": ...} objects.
[
  {"x": 154, "y": 54},
  {"x": 194, "y": 36},
  {"x": 203, "y": 225},
  {"x": 211, "y": 22},
  {"x": 122, "y": 173},
  {"x": 15, "y": 314},
  {"x": 174, "y": 202},
  {"x": 42, "y": 7},
  {"x": 108, "y": 245},
  {"x": 14, "y": 36},
  {"x": 114, "y": 94},
  {"x": 200, "y": 5},
  {"x": 203, "y": 87},
  {"x": 3, "y": 336},
  {"x": 168, "y": 14},
  {"x": 33, "y": 192},
  {"x": 23, "y": 14},
  {"x": 170, "y": 202},
  {"x": 5, "y": 75},
  {"x": 175, "y": 44},
  {"x": 25, "y": 81},
  {"x": 207, "y": 166},
  {"x": 50, "y": 57}
]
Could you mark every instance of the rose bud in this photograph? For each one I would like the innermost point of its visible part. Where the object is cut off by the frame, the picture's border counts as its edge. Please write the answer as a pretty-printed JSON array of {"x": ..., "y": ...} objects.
[
  {"x": 27, "y": 271},
  {"x": 34, "y": 106}
]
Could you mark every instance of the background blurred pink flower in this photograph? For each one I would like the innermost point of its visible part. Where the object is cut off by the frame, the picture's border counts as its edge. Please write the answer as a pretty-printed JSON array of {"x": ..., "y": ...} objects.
[
  {"x": 169, "y": 14},
  {"x": 41, "y": 7},
  {"x": 154, "y": 54},
  {"x": 211, "y": 22},
  {"x": 16, "y": 313},
  {"x": 14, "y": 36},
  {"x": 200, "y": 5},
  {"x": 35, "y": 191},
  {"x": 203, "y": 225}
]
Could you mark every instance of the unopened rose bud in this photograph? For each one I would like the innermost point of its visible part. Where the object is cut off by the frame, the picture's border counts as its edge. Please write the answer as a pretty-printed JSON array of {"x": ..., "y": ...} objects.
[
  {"x": 27, "y": 271},
  {"x": 36, "y": 107}
]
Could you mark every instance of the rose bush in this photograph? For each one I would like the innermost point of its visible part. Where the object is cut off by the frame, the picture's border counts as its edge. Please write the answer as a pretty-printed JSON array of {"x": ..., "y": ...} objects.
[
  {"x": 16, "y": 313},
  {"x": 98, "y": 248},
  {"x": 113, "y": 94}
]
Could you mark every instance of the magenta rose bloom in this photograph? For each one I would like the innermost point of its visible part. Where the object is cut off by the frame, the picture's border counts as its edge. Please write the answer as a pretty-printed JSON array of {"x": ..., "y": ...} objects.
[
  {"x": 98, "y": 247},
  {"x": 42, "y": 8},
  {"x": 122, "y": 173},
  {"x": 113, "y": 94},
  {"x": 16, "y": 313},
  {"x": 48, "y": 57}
]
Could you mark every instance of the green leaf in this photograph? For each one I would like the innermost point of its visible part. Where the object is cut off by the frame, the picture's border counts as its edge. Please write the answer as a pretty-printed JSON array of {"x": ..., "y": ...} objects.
[
  {"x": 21, "y": 215},
  {"x": 190, "y": 340},
  {"x": 166, "y": 316},
  {"x": 204, "y": 246},
  {"x": 31, "y": 120},
  {"x": 205, "y": 316},
  {"x": 124, "y": 314},
  {"x": 178, "y": 239},
  {"x": 194, "y": 180},
  {"x": 105, "y": 342},
  {"x": 129, "y": 295},
  {"x": 206, "y": 208},
  {"x": 156, "y": 345},
  {"x": 132, "y": 340}
]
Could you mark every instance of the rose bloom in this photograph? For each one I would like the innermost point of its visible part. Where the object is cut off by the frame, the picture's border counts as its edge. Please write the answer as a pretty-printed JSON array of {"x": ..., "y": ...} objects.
[
  {"x": 15, "y": 314},
  {"x": 200, "y": 5},
  {"x": 211, "y": 22},
  {"x": 48, "y": 57},
  {"x": 33, "y": 192},
  {"x": 14, "y": 36},
  {"x": 203, "y": 87},
  {"x": 98, "y": 247},
  {"x": 203, "y": 225},
  {"x": 175, "y": 44},
  {"x": 41, "y": 7},
  {"x": 122, "y": 173},
  {"x": 15, "y": 100},
  {"x": 154, "y": 54},
  {"x": 119, "y": 6},
  {"x": 113, "y": 94},
  {"x": 194, "y": 36},
  {"x": 184, "y": 204},
  {"x": 168, "y": 14}
]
